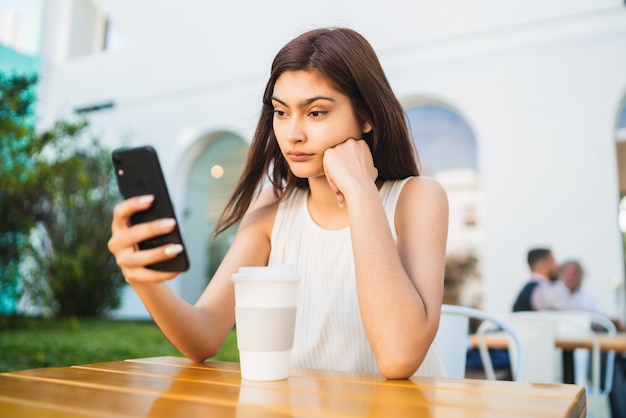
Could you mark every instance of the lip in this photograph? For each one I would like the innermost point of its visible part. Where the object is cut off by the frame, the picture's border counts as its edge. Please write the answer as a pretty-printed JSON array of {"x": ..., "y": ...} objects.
[{"x": 298, "y": 156}]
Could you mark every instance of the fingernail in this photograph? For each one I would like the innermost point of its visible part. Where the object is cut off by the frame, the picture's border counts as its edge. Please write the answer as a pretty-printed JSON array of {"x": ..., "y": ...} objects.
[
  {"x": 168, "y": 223},
  {"x": 174, "y": 249},
  {"x": 146, "y": 199},
  {"x": 340, "y": 205}
]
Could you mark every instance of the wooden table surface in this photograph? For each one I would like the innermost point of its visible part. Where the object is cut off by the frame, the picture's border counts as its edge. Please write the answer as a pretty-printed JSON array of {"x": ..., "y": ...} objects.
[
  {"x": 607, "y": 342},
  {"x": 175, "y": 387}
]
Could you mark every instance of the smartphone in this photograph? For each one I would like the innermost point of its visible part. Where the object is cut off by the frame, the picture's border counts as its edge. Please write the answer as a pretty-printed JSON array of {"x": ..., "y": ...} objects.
[{"x": 138, "y": 172}]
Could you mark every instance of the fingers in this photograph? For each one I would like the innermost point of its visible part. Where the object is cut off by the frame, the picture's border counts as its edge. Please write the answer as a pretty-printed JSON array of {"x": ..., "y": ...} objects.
[
  {"x": 347, "y": 164},
  {"x": 125, "y": 239},
  {"x": 340, "y": 197},
  {"x": 133, "y": 263},
  {"x": 123, "y": 211},
  {"x": 130, "y": 236},
  {"x": 138, "y": 260},
  {"x": 144, "y": 275}
]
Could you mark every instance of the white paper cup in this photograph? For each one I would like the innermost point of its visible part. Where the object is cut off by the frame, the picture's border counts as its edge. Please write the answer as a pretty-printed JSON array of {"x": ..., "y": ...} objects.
[{"x": 265, "y": 312}]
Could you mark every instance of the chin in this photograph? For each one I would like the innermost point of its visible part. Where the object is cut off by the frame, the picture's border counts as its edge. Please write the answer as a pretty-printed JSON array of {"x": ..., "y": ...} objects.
[{"x": 301, "y": 173}]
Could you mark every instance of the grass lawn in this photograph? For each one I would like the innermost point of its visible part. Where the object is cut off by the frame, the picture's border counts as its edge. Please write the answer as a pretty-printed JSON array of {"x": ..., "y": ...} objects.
[{"x": 64, "y": 342}]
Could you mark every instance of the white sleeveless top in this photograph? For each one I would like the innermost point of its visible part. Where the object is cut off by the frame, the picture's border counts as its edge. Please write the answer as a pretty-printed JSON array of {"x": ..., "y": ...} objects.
[{"x": 329, "y": 331}]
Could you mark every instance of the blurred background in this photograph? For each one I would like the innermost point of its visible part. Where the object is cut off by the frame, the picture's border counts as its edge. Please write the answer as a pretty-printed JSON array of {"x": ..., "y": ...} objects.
[{"x": 517, "y": 107}]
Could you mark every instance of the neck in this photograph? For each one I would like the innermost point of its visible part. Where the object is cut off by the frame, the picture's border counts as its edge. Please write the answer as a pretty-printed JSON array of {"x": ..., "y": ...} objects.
[
  {"x": 323, "y": 207},
  {"x": 321, "y": 192}
]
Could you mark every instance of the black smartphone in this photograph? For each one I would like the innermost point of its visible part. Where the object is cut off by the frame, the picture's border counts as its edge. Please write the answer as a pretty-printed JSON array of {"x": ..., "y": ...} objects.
[{"x": 138, "y": 172}]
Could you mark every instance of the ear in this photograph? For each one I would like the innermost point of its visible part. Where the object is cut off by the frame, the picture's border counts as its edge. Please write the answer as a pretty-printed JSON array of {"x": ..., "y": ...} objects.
[{"x": 366, "y": 127}]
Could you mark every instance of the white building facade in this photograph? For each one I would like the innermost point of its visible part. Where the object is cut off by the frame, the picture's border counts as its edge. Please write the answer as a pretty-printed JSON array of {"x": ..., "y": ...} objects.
[{"x": 541, "y": 84}]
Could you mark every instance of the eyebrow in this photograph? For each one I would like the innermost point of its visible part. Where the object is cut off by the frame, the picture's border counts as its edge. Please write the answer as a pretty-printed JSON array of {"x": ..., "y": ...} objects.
[{"x": 305, "y": 102}]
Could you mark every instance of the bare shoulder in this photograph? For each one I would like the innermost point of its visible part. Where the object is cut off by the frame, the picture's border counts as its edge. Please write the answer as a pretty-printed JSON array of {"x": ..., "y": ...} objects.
[
  {"x": 422, "y": 198},
  {"x": 418, "y": 189}
]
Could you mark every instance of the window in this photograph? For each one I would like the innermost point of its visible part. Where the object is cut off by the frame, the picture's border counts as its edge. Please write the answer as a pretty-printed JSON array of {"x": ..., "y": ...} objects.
[
  {"x": 92, "y": 31},
  {"x": 114, "y": 37},
  {"x": 443, "y": 138}
]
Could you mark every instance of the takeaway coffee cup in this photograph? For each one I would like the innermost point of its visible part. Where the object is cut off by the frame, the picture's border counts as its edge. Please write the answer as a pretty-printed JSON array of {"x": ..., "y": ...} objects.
[{"x": 265, "y": 314}]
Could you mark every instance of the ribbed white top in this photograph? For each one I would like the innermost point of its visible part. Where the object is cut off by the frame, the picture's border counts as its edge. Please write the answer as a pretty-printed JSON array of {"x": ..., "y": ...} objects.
[{"x": 329, "y": 331}]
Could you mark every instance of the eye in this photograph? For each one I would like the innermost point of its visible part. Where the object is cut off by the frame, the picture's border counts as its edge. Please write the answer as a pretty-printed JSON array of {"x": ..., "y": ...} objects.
[
  {"x": 279, "y": 113},
  {"x": 317, "y": 113}
]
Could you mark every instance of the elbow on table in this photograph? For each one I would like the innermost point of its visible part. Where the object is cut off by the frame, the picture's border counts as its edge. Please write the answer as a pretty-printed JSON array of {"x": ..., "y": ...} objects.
[
  {"x": 398, "y": 368},
  {"x": 197, "y": 359},
  {"x": 200, "y": 356}
]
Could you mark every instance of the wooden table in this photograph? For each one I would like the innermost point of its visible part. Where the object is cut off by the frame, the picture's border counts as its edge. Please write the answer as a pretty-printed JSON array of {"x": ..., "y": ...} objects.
[
  {"x": 175, "y": 387},
  {"x": 607, "y": 342}
]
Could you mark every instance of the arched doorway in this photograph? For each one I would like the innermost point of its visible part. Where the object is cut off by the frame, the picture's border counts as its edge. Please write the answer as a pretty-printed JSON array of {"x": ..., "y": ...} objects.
[
  {"x": 447, "y": 149},
  {"x": 212, "y": 177}
]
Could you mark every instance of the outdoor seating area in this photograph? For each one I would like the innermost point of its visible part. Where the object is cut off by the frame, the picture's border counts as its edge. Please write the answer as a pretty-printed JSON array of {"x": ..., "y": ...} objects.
[
  {"x": 339, "y": 209},
  {"x": 543, "y": 347},
  {"x": 150, "y": 385}
]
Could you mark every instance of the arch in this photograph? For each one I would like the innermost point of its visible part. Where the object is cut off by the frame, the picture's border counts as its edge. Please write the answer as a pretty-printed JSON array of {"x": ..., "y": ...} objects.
[
  {"x": 444, "y": 138},
  {"x": 214, "y": 163},
  {"x": 447, "y": 149}
]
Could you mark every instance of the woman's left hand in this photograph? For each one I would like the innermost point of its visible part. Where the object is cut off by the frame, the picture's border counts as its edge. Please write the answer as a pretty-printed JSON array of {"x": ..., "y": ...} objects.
[{"x": 347, "y": 165}]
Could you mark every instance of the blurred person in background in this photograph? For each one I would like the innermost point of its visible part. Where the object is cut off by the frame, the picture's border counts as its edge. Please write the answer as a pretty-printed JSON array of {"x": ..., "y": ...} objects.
[
  {"x": 571, "y": 275},
  {"x": 543, "y": 290}
]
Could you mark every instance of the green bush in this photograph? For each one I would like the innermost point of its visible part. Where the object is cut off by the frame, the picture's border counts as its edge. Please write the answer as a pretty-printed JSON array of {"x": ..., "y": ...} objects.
[
  {"x": 74, "y": 274},
  {"x": 56, "y": 199}
]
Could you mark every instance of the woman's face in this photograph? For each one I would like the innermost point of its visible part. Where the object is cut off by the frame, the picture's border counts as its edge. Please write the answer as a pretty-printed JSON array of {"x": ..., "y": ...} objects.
[{"x": 310, "y": 116}]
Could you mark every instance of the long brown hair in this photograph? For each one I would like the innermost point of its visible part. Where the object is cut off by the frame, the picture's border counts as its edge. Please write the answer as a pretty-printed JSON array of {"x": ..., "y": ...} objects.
[{"x": 350, "y": 63}]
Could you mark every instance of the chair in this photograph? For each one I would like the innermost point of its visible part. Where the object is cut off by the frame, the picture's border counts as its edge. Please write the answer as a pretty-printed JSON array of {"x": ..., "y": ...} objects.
[
  {"x": 600, "y": 399},
  {"x": 538, "y": 338},
  {"x": 454, "y": 328},
  {"x": 538, "y": 331}
]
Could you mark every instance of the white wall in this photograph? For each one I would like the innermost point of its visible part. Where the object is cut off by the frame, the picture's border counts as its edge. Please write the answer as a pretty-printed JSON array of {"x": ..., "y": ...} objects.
[
  {"x": 542, "y": 104},
  {"x": 538, "y": 81}
]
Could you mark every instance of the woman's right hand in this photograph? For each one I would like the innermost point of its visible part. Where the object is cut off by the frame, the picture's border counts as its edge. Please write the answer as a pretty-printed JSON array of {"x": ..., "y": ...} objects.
[{"x": 125, "y": 238}]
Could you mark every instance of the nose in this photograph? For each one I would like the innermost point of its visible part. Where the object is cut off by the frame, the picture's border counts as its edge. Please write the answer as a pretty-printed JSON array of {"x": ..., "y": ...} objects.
[{"x": 296, "y": 131}]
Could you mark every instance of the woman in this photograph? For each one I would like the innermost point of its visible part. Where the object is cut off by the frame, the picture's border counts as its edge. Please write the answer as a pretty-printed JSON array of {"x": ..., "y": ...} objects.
[{"x": 346, "y": 205}]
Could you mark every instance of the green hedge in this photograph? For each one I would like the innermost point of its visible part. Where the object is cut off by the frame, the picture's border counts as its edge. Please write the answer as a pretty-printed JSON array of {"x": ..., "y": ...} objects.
[{"x": 38, "y": 343}]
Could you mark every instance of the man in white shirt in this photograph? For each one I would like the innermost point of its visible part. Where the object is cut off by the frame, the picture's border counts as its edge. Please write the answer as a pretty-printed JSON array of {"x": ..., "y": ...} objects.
[{"x": 571, "y": 275}]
